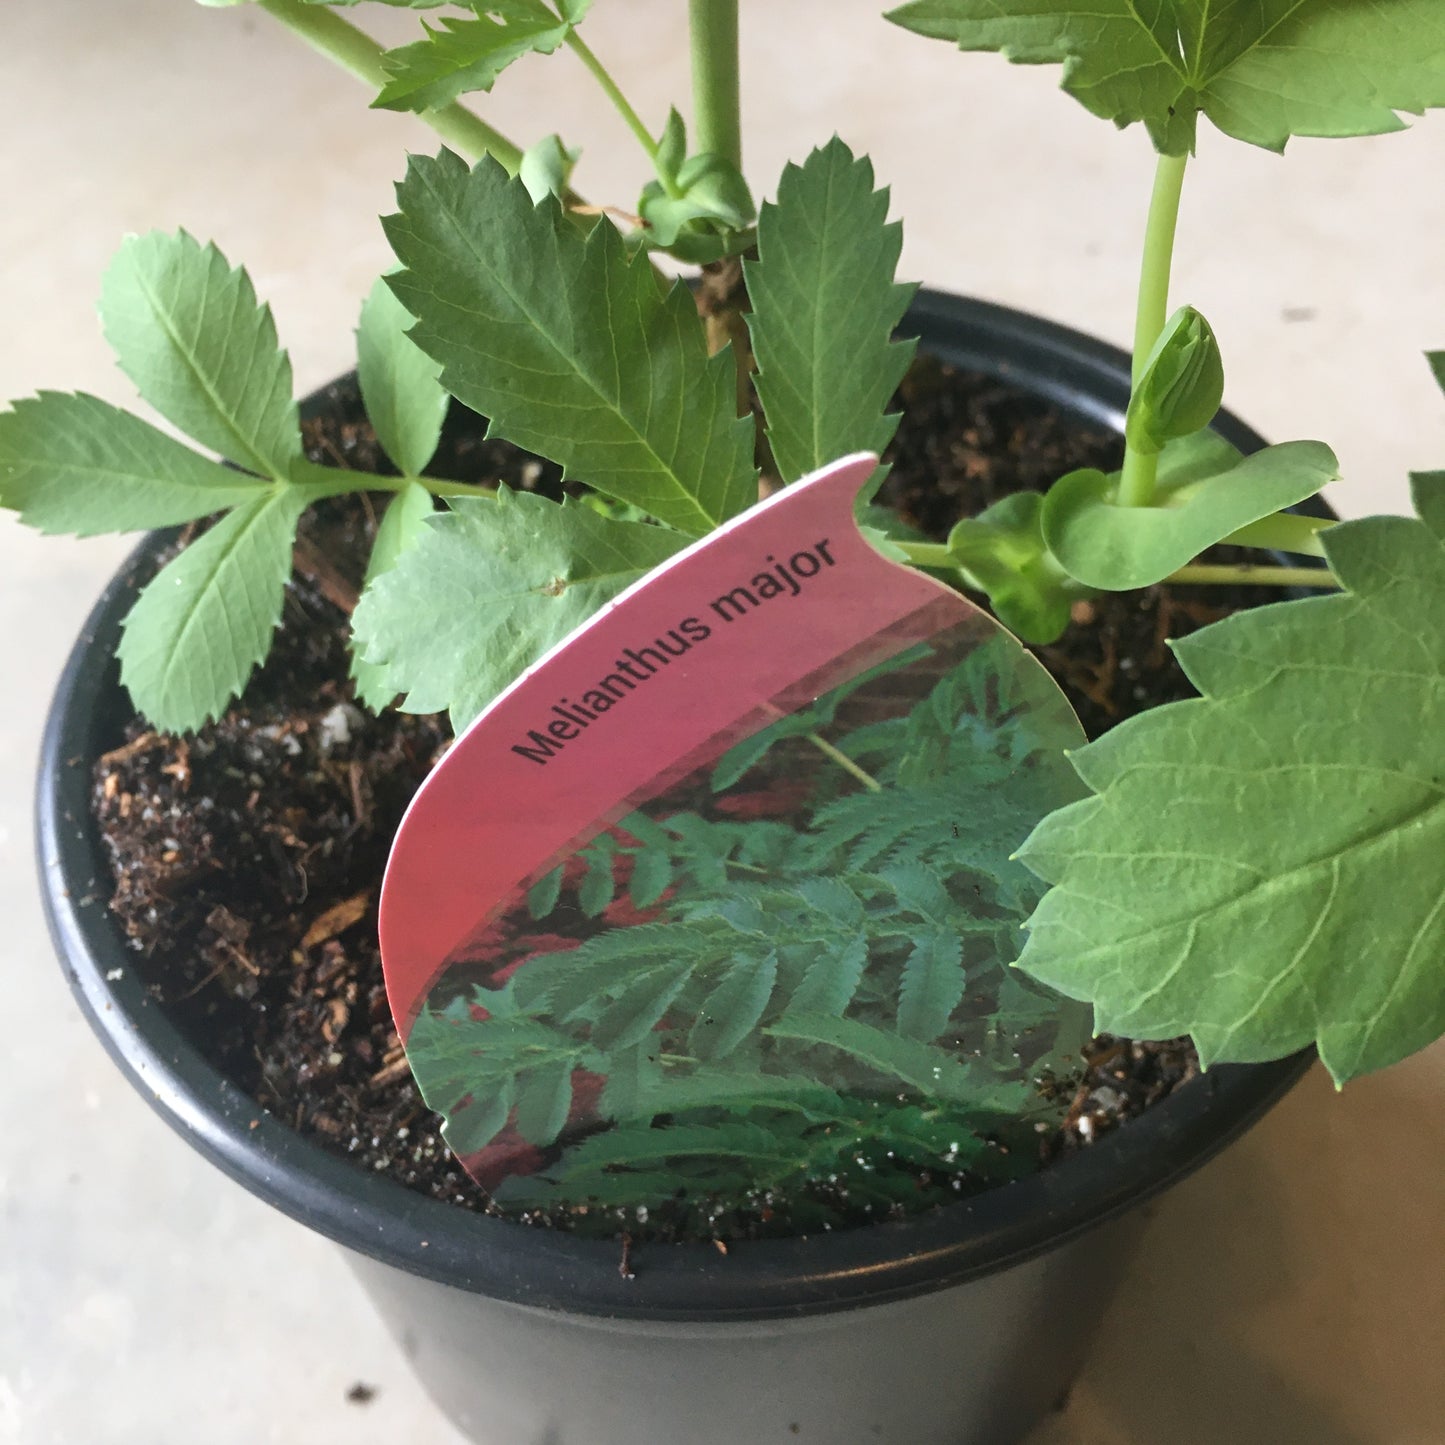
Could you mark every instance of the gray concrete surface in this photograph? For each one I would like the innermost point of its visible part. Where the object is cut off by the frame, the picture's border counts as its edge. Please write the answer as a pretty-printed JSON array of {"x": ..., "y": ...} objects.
[{"x": 1293, "y": 1293}]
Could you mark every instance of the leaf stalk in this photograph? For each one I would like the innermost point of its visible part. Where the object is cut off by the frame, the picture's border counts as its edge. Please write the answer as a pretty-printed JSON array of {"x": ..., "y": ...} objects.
[
  {"x": 1248, "y": 574},
  {"x": 937, "y": 556},
  {"x": 613, "y": 91},
  {"x": 321, "y": 482},
  {"x": 842, "y": 759},
  {"x": 357, "y": 53}
]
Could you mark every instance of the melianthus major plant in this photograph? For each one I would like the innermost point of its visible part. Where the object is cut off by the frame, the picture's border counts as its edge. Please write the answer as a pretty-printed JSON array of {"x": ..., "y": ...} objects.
[{"x": 1259, "y": 868}]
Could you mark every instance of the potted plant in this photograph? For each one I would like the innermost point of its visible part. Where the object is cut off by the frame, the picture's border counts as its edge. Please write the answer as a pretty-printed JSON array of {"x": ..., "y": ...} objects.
[{"x": 1179, "y": 491}]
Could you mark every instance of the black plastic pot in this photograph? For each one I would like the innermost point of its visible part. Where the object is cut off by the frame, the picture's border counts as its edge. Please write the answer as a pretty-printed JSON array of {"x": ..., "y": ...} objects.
[{"x": 959, "y": 1328}]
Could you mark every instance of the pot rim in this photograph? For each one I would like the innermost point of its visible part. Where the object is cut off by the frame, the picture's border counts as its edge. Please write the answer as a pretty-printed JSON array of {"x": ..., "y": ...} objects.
[{"x": 513, "y": 1262}]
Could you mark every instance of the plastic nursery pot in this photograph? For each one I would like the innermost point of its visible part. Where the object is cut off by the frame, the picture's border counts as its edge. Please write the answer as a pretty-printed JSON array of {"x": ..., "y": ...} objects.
[{"x": 962, "y": 1327}]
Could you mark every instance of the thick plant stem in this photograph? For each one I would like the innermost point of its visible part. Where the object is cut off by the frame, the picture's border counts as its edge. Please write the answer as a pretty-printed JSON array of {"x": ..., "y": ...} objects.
[
  {"x": 583, "y": 52},
  {"x": 716, "y": 84},
  {"x": 1136, "y": 486},
  {"x": 356, "y": 52},
  {"x": 1250, "y": 575}
]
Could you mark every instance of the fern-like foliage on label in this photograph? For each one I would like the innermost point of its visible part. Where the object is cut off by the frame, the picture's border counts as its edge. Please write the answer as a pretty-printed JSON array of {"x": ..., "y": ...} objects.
[
  {"x": 706, "y": 923},
  {"x": 783, "y": 986}
]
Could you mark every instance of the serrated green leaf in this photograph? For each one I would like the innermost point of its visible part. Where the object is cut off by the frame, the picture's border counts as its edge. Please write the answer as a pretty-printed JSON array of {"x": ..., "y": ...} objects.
[
  {"x": 651, "y": 877},
  {"x": 731, "y": 1011},
  {"x": 744, "y": 755},
  {"x": 568, "y": 345},
  {"x": 831, "y": 982},
  {"x": 401, "y": 527},
  {"x": 1262, "y": 71},
  {"x": 544, "y": 1100},
  {"x": 467, "y": 54},
  {"x": 475, "y": 1125},
  {"x": 639, "y": 1007},
  {"x": 488, "y": 588},
  {"x": 206, "y": 619},
  {"x": 598, "y": 884},
  {"x": 1436, "y": 362},
  {"x": 405, "y": 402},
  {"x": 933, "y": 1071},
  {"x": 825, "y": 304},
  {"x": 188, "y": 331},
  {"x": 736, "y": 1087},
  {"x": 634, "y": 1079},
  {"x": 1261, "y": 867},
  {"x": 1119, "y": 548},
  {"x": 74, "y": 463},
  {"x": 932, "y": 988},
  {"x": 834, "y": 899},
  {"x": 543, "y": 895},
  {"x": 641, "y": 1144}
]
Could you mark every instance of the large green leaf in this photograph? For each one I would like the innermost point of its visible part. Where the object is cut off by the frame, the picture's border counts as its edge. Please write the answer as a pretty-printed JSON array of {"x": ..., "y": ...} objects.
[
  {"x": 824, "y": 307},
  {"x": 405, "y": 402},
  {"x": 488, "y": 589},
  {"x": 206, "y": 619},
  {"x": 78, "y": 464},
  {"x": 1119, "y": 548},
  {"x": 1261, "y": 867},
  {"x": 568, "y": 345},
  {"x": 467, "y": 54},
  {"x": 188, "y": 331},
  {"x": 402, "y": 525},
  {"x": 1261, "y": 70}
]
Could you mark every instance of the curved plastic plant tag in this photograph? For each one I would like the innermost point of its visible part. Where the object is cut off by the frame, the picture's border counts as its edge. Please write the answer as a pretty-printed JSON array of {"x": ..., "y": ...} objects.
[{"x": 714, "y": 906}]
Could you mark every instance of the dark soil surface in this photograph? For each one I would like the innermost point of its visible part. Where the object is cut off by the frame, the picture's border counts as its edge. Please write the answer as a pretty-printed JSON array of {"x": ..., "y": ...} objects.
[{"x": 248, "y": 859}]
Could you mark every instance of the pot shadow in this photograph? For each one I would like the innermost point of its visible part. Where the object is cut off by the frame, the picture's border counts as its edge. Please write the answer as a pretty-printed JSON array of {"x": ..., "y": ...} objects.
[{"x": 1289, "y": 1293}]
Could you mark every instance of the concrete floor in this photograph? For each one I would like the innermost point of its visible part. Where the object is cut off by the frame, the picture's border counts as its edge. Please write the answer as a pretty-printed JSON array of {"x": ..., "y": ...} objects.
[{"x": 1291, "y": 1294}]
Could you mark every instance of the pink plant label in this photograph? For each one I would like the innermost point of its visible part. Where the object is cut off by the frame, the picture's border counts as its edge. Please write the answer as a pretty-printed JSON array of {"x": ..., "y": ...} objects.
[{"x": 617, "y": 892}]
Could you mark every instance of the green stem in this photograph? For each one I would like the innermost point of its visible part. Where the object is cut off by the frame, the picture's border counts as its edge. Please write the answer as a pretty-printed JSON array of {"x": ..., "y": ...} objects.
[
  {"x": 1248, "y": 574},
  {"x": 925, "y": 554},
  {"x": 716, "y": 81},
  {"x": 439, "y": 487},
  {"x": 1136, "y": 486},
  {"x": 356, "y": 52},
  {"x": 940, "y": 559},
  {"x": 845, "y": 762},
  {"x": 583, "y": 52},
  {"x": 323, "y": 481}
]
